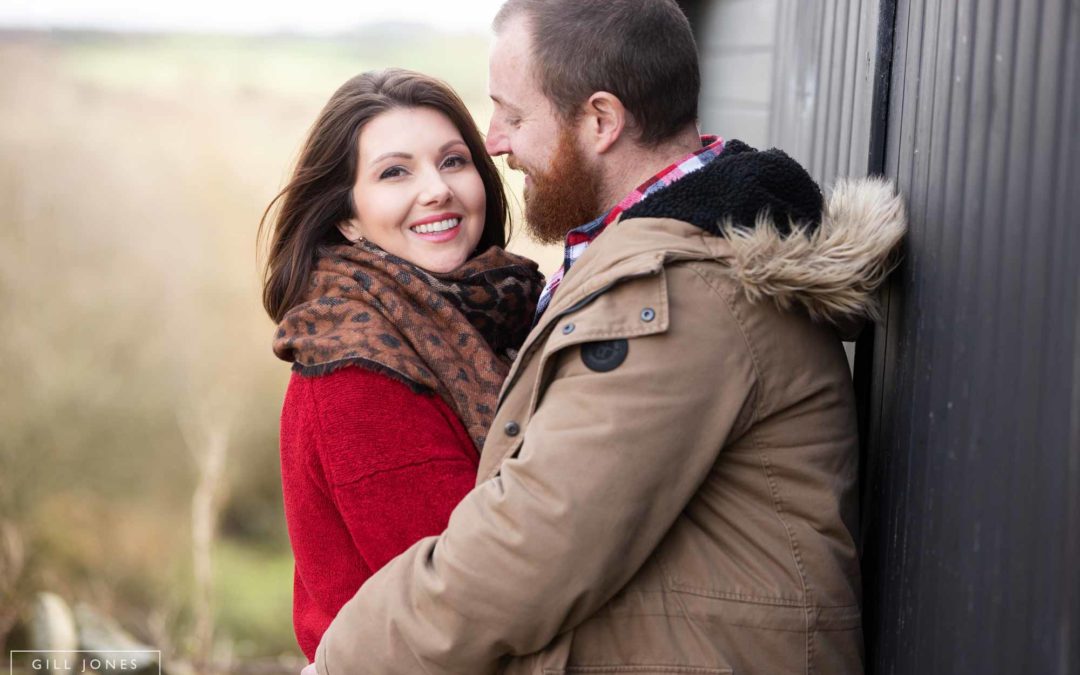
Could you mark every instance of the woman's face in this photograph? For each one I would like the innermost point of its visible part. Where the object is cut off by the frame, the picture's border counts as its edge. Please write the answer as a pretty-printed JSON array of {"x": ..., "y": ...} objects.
[{"x": 418, "y": 194}]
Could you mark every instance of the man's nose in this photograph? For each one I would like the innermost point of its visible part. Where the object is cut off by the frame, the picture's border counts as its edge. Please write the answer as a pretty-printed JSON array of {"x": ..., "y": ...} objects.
[{"x": 496, "y": 142}]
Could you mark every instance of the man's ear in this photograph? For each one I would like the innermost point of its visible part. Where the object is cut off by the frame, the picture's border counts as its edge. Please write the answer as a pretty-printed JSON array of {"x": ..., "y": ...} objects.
[
  {"x": 351, "y": 229},
  {"x": 604, "y": 120}
]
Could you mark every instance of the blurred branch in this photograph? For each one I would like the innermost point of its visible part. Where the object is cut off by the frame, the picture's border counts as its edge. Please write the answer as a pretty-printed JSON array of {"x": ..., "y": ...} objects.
[
  {"x": 12, "y": 560},
  {"x": 207, "y": 439}
]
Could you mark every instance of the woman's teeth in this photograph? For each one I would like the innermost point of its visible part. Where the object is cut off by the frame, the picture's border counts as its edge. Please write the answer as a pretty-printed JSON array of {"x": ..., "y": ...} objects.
[{"x": 440, "y": 226}]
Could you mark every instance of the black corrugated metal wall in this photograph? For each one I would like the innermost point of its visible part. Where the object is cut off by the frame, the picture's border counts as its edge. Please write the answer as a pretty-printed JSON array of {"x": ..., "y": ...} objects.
[
  {"x": 973, "y": 558},
  {"x": 971, "y": 388},
  {"x": 824, "y": 85}
]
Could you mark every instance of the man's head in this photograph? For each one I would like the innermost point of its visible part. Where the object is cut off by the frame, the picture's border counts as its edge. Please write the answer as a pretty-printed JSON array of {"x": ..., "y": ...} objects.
[{"x": 581, "y": 87}]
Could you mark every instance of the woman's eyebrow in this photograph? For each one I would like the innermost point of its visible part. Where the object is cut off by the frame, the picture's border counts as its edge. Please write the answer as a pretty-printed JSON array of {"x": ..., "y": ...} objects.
[{"x": 403, "y": 155}]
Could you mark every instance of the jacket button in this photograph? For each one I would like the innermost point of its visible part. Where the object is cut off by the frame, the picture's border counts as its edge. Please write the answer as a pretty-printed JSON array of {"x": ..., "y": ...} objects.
[
  {"x": 648, "y": 314},
  {"x": 567, "y": 329},
  {"x": 512, "y": 429}
]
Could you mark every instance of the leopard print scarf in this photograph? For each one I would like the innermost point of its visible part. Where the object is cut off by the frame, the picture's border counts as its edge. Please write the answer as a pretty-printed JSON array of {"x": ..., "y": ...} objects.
[{"x": 453, "y": 334}]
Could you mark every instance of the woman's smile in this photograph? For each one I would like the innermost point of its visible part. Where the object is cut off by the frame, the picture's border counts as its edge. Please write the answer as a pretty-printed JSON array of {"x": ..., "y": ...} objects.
[{"x": 438, "y": 228}]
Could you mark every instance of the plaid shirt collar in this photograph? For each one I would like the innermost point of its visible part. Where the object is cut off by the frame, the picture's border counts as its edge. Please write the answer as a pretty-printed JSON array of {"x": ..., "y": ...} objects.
[{"x": 578, "y": 239}]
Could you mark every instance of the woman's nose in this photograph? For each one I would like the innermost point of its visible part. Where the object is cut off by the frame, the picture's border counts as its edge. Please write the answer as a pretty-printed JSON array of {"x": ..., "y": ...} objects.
[{"x": 435, "y": 190}]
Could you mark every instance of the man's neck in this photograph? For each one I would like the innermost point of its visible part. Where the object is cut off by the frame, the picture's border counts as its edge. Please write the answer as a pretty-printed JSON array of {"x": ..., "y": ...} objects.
[{"x": 635, "y": 165}]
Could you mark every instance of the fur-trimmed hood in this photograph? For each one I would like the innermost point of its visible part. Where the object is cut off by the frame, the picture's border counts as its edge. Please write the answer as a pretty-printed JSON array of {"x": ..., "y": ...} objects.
[
  {"x": 833, "y": 270},
  {"x": 787, "y": 242}
]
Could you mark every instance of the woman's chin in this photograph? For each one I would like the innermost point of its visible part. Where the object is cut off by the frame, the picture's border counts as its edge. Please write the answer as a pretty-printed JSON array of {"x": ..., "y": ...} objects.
[{"x": 439, "y": 264}]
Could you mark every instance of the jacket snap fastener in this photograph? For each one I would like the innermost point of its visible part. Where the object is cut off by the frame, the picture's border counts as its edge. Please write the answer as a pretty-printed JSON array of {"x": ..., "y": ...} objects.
[
  {"x": 512, "y": 429},
  {"x": 648, "y": 314},
  {"x": 568, "y": 328}
]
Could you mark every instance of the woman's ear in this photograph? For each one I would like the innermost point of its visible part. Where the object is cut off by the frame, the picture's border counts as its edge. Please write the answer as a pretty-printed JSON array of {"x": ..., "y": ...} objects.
[{"x": 351, "y": 230}]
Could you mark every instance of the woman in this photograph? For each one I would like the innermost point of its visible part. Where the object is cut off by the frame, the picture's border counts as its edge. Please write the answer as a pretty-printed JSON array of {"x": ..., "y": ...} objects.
[{"x": 401, "y": 312}]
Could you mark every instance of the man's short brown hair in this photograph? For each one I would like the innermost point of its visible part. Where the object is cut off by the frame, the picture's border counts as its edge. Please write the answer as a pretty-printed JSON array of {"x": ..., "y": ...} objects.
[{"x": 642, "y": 51}]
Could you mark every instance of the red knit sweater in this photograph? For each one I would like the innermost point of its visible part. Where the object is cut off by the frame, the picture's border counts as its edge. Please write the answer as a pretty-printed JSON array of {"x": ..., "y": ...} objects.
[{"x": 368, "y": 467}]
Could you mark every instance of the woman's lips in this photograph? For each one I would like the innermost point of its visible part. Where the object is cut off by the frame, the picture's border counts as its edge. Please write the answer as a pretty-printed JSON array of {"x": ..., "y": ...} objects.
[{"x": 440, "y": 237}]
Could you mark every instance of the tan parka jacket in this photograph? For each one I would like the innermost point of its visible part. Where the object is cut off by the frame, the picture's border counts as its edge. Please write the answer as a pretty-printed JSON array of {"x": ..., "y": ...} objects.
[{"x": 670, "y": 482}]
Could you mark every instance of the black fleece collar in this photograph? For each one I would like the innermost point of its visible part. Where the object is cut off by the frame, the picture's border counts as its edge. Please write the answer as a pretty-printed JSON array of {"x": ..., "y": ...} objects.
[{"x": 738, "y": 185}]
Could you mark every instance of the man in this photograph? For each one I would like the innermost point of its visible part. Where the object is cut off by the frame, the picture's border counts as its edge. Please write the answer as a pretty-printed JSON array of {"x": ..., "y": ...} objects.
[{"x": 669, "y": 484}]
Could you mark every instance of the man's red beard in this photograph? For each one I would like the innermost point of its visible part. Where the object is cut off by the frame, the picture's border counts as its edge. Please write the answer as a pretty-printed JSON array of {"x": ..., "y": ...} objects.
[{"x": 565, "y": 196}]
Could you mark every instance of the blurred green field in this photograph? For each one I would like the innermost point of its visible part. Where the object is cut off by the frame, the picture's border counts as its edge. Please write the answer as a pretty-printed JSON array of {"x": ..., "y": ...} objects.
[{"x": 133, "y": 172}]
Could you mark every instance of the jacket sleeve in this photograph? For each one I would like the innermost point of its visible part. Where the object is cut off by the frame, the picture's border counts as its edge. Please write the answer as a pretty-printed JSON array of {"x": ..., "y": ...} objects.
[{"x": 608, "y": 462}]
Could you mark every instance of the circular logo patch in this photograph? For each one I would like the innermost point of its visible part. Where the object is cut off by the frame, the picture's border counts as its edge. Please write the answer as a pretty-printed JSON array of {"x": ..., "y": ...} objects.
[{"x": 604, "y": 356}]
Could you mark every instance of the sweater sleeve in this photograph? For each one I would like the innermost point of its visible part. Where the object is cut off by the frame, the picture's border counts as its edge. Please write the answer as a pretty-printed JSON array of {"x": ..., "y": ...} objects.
[{"x": 369, "y": 467}]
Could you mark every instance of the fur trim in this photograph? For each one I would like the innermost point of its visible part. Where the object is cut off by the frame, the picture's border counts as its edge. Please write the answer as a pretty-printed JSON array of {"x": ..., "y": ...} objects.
[{"x": 834, "y": 270}]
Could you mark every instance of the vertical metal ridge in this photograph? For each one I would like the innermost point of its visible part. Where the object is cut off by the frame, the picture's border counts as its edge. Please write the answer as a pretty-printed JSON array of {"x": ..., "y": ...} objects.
[
  {"x": 955, "y": 163},
  {"x": 915, "y": 362},
  {"x": 1067, "y": 171},
  {"x": 851, "y": 101},
  {"x": 962, "y": 391},
  {"x": 777, "y": 89},
  {"x": 881, "y": 91},
  {"x": 1037, "y": 597},
  {"x": 871, "y": 382},
  {"x": 940, "y": 256},
  {"x": 983, "y": 319},
  {"x": 838, "y": 85},
  {"x": 920, "y": 427},
  {"x": 1006, "y": 333},
  {"x": 975, "y": 148},
  {"x": 820, "y": 10}
]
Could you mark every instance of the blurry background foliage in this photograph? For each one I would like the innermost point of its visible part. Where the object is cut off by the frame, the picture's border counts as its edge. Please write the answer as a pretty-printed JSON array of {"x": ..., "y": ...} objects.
[{"x": 133, "y": 173}]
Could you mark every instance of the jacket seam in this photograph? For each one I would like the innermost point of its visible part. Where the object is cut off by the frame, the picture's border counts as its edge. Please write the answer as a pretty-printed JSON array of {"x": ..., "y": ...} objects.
[
  {"x": 749, "y": 599},
  {"x": 770, "y": 480},
  {"x": 738, "y": 598},
  {"x": 585, "y": 336},
  {"x": 758, "y": 400},
  {"x": 778, "y": 507},
  {"x": 687, "y": 614},
  {"x": 730, "y": 621}
]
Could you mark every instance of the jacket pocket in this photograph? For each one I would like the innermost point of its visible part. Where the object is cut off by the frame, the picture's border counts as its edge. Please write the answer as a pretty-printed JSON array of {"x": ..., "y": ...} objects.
[{"x": 693, "y": 563}]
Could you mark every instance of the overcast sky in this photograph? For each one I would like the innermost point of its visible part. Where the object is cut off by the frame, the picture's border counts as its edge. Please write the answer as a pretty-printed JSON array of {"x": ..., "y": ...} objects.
[{"x": 244, "y": 16}]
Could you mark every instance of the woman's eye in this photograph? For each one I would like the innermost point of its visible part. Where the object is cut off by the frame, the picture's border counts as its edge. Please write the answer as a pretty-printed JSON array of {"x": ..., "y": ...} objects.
[
  {"x": 392, "y": 172},
  {"x": 454, "y": 161}
]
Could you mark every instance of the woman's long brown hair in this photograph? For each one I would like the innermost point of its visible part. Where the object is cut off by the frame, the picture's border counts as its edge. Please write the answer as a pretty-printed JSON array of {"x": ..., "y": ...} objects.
[{"x": 318, "y": 196}]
